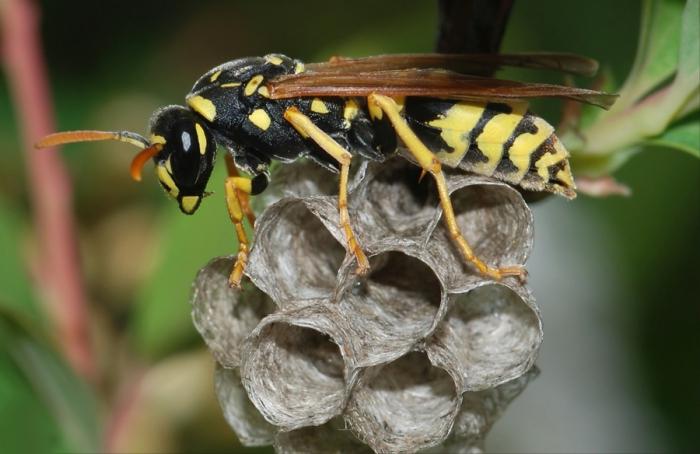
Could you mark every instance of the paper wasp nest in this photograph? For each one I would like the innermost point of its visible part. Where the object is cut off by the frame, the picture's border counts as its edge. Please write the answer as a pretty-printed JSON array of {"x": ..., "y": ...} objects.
[{"x": 420, "y": 354}]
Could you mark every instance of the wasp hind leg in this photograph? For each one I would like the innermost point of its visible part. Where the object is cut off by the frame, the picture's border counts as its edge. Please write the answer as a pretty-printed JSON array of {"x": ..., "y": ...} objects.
[
  {"x": 306, "y": 127},
  {"x": 430, "y": 164},
  {"x": 238, "y": 190}
]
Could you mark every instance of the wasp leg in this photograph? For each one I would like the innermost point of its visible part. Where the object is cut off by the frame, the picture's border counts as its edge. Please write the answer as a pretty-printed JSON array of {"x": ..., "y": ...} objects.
[
  {"x": 306, "y": 127},
  {"x": 237, "y": 189},
  {"x": 429, "y": 163},
  {"x": 243, "y": 197}
]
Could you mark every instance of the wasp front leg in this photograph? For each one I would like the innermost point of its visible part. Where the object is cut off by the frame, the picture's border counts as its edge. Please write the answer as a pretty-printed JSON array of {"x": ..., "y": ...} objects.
[
  {"x": 238, "y": 190},
  {"x": 307, "y": 128},
  {"x": 430, "y": 164}
]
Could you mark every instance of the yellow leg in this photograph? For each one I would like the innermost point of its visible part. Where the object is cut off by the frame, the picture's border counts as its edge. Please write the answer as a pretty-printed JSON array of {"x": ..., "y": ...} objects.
[
  {"x": 307, "y": 128},
  {"x": 243, "y": 197},
  {"x": 236, "y": 188},
  {"x": 429, "y": 163}
]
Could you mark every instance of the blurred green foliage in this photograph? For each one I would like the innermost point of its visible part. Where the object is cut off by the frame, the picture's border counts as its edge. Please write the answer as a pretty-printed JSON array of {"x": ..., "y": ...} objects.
[{"x": 102, "y": 55}]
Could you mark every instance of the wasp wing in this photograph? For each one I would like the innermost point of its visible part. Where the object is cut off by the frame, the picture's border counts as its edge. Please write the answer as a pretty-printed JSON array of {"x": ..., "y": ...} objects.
[
  {"x": 427, "y": 83},
  {"x": 477, "y": 64}
]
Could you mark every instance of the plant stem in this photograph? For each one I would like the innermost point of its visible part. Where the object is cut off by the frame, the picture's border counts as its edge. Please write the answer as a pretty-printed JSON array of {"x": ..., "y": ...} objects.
[{"x": 59, "y": 278}]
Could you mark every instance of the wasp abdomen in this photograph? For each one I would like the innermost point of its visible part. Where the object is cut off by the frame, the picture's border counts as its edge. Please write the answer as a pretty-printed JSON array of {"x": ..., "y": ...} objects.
[{"x": 504, "y": 141}]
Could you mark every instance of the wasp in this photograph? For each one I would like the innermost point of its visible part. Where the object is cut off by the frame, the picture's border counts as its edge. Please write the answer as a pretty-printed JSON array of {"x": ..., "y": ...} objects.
[{"x": 439, "y": 108}]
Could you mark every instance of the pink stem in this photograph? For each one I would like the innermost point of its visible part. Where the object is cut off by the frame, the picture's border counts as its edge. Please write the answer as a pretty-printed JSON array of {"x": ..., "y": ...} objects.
[{"x": 59, "y": 277}]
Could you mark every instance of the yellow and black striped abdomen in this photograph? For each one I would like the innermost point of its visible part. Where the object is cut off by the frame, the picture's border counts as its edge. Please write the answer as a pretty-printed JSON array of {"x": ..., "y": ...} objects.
[{"x": 504, "y": 141}]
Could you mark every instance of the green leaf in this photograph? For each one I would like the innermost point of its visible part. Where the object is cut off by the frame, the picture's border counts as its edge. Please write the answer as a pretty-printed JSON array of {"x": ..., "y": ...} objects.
[
  {"x": 689, "y": 51},
  {"x": 683, "y": 135},
  {"x": 639, "y": 117},
  {"x": 15, "y": 286},
  {"x": 657, "y": 51},
  {"x": 62, "y": 394}
]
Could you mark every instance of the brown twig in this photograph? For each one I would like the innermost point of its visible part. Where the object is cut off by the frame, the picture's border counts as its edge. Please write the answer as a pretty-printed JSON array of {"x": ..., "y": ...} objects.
[{"x": 59, "y": 277}]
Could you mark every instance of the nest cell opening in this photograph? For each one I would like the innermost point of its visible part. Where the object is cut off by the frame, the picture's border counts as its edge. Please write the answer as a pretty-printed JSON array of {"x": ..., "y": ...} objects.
[
  {"x": 295, "y": 376},
  {"x": 494, "y": 335},
  {"x": 392, "y": 308},
  {"x": 407, "y": 404},
  {"x": 495, "y": 222},
  {"x": 294, "y": 256},
  {"x": 397, "y": 202},
  {"x": 224, "y": 316}
]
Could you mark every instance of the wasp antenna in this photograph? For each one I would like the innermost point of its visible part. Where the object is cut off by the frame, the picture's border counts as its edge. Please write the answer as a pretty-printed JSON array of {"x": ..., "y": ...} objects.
[
  {"x": 140, "y": 160},
  {"x": 60, "y": 138}
]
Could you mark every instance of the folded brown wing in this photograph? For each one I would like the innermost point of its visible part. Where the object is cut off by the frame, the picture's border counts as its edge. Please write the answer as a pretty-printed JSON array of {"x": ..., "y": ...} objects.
[
  {"x": 435, "y": 83},
  {"x": 476, "y": 64}
]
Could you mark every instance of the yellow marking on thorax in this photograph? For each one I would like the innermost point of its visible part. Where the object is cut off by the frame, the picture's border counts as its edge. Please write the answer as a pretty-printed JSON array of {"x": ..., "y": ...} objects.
[
  {"x": 165, "y": 177},
  {"x": 155, "y": 138},
  {"x": 496, "y": 132},
  {"x": 201, "y": 138},
  {"x": 260, "y": 118},
  {"x": 455, "y": 126},
  {"x": 263, "y": 91},
  {"x": 350, "y": 111},
  {"x": 215, "y": 76},
  {"x": 230, "y": 85},
  {"x": 202, "y": 106},
  {"x": 548, "y": 159},
  {"x": 375, "y": 112},
  {"x": 273, "y": 59},
  {"x": 189, "y": 203},
  {"x": 299, "y": 68},
  {"x": 319, "y": 106},
  {"x": 526, "y": 144},
  {"x": 252, "y": 85}
]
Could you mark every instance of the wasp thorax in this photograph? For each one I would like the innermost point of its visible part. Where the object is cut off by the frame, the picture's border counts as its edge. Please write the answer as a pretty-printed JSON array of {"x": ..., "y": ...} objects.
[{"x": 185, "y": 162}]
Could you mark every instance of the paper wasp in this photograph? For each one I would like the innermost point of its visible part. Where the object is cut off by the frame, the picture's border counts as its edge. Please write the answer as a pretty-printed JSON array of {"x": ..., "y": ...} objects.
[{"x": 436, "y": 106}]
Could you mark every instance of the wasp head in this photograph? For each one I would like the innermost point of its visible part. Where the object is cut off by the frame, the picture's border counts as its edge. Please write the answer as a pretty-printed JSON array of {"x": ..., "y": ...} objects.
[{"x": 184, "y": 151}]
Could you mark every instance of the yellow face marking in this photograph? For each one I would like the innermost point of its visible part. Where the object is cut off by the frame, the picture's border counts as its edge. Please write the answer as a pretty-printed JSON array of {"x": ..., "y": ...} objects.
[
  {"x": 155, "y": 138},
  {"x": 169, "y": 166},
  {"x": 299, "y": 68},
  {"x": 260, "y": 118},
  {"x": 496, "y": 132},
  {"x": 526, "y": 144},
  {"x": 189, "y": 203},
  {"x": 455, "y": 126},
  {"x": 273, "y": 59},
  {"x": 230, "y": 85},
  {"x": 201, "y": 138},
  {"x": 215, "y": 76},
  {"x": 202, "y": 106},
  {"x": 252, "y": 85},
  {"x": 262, "y": 91},
  {"x": 319, "y": 106},
  {"x": 548, "y": 159},
  {"x": 165, "y": 178}
]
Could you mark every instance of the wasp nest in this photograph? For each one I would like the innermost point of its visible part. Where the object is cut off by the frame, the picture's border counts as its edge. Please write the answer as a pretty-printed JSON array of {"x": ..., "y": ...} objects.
[{"x": 421, "y": 353}]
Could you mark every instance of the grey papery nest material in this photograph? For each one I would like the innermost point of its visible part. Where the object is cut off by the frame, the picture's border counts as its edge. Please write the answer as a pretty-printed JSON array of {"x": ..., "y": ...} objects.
[{"x": 421, "y": 353}]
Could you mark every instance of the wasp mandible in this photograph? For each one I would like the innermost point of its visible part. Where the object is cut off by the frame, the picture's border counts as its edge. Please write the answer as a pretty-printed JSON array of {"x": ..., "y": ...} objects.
[{"x": 436, "y": 106}]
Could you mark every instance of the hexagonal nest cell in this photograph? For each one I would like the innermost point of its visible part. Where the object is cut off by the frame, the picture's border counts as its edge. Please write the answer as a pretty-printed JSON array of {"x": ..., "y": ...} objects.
[{"x": 422, "y": 353}]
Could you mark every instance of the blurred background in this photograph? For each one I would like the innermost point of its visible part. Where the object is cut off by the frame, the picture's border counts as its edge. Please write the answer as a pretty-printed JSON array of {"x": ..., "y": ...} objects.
[{"x": 616, "y": 278}]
